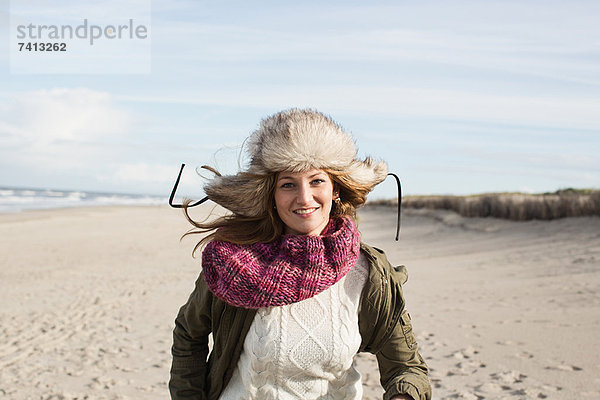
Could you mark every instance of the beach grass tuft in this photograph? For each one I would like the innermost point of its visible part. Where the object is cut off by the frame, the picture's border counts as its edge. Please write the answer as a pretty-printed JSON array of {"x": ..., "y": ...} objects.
[{"x": 513, "y": 206}]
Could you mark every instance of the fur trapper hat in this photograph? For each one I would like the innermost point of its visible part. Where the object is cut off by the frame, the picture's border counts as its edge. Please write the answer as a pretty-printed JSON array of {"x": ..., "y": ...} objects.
[{"x": 292, "y": 140}]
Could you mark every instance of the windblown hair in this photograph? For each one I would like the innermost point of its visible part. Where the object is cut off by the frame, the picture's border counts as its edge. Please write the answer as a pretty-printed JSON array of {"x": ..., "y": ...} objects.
[
  {"x": 352, "y": 194},
  {"x": 240, "y": 229}
]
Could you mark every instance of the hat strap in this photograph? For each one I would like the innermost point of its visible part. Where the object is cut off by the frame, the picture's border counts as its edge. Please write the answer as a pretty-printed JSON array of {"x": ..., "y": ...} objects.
[
  {"x": 399, "y": 185},
  {"x": 175, "y": 189}
]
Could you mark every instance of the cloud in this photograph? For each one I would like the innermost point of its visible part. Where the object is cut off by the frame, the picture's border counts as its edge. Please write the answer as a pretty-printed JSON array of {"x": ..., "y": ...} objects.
[
  {"x": 60, "y": 127},
  {"x": 543, "y": 111},
  {"x": 500, "y": 36},
  {"x": 144, "y": 173}
]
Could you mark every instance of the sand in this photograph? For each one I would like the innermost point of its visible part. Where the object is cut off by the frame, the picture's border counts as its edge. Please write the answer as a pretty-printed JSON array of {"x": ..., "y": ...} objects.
[{"x": 502, "y": 310}]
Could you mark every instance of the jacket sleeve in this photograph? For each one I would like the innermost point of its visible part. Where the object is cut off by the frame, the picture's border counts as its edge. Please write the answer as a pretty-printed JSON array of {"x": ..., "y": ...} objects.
[
  {"x": 401, "y": 367},
  {"x": 190, "y": 346}
]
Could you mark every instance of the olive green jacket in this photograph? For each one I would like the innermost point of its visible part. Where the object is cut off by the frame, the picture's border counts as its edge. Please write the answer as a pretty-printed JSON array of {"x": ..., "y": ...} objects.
[{"x": 384, "y": 326}]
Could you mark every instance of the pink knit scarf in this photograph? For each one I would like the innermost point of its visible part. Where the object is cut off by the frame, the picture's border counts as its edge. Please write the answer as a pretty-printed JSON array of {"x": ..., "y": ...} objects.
[{"x": 288, "y": 270}]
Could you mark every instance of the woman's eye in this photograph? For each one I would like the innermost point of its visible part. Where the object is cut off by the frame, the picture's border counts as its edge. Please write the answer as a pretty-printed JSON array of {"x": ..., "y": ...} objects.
[
  {"x": 318, "y": 181},
  {"x": 287, "y": 185}
]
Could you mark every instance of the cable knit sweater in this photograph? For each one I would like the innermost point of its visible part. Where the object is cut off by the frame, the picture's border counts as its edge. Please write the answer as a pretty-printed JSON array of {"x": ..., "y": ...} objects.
[{"x": 304, "y": 350}]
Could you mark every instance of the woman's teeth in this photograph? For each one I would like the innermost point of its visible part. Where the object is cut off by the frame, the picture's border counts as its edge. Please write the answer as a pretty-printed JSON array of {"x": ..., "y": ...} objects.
[{"x": 304, "y": 211}]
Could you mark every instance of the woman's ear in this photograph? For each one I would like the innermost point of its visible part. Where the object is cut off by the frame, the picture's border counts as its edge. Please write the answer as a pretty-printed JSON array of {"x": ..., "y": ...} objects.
[{"x": 336, "y": 188}]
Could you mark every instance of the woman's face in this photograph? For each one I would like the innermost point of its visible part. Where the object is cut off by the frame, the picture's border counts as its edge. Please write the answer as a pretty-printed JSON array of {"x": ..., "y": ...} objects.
[{"x": 303, "y": 201}]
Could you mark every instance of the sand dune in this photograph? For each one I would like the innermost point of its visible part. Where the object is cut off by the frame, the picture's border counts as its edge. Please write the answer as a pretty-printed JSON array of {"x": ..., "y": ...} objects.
[{"x": 501, "y": 309}]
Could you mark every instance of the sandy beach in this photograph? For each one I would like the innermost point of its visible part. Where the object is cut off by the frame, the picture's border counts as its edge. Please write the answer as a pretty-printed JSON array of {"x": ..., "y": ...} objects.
[{"x": 502, "y": 310}]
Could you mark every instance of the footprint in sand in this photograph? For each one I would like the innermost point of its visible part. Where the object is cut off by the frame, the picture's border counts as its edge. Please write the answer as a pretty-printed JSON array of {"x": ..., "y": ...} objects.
[
  {"x": 524, "y": 355},
  {"x": 514, "y": 384},
  {"x": 563, "y": 367},
  {"x": 489, "y": 388},
  {"x": 508, "y": 377},
  {"x": 467, "y": 353},
  {"x": 436, "y": 382},
  {"x": 470, "y": 367},
  {"x": 505, "y": 343},
  {"x": 468, "y": 364}
]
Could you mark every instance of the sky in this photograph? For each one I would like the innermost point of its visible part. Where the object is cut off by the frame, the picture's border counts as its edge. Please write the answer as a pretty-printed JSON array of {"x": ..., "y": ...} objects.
[{"x": 458, "y": 97}]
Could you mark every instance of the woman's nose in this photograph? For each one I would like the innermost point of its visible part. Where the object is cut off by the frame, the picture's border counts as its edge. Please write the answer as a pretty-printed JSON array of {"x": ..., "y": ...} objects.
[{"x": 304, "y": 194}]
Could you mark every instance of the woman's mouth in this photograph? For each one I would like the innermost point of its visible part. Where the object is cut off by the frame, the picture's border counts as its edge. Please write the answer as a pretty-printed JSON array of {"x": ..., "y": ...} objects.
[{"x": 305, "y": 211}]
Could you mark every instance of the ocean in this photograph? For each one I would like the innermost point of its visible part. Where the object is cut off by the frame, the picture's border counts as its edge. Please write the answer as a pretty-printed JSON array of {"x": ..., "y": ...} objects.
[{"x": 18, "y": 199}]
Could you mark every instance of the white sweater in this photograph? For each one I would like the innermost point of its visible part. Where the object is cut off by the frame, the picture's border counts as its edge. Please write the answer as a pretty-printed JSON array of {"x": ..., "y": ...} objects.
[{"x": 304, "y": 350}]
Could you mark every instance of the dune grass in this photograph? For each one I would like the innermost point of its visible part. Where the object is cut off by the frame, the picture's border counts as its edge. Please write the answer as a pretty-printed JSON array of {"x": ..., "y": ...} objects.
[{"x": 513, "y": 206}]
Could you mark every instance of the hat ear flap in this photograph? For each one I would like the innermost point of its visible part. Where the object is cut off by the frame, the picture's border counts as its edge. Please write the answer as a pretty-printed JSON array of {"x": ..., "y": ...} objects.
[
  {"x": 368, "y": 172},
  {"x": 241, "y": 194}
]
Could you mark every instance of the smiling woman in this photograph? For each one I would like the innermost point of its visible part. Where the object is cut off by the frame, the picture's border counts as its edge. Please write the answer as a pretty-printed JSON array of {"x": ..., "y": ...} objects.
[
  {"x": 290, "y": 251},
  {"x": 303, "y": 201}
]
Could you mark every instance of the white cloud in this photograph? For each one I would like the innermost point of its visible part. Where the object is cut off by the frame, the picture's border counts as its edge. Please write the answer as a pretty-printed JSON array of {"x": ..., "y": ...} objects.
[
  {"x": 76, "y": 115},
  {"x": 543, "y": 111},
  {"x": 144, "y": 173},
  {"x": 500, "y": 36},
  {"x": 60, "y": 128},
  {"x": 62, "y": 137}
]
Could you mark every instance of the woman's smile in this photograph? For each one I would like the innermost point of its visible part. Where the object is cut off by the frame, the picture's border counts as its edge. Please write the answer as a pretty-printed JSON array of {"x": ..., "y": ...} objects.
[
  {"x": 303, "y": 201},
  {"x": 305, "y": 211}
]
